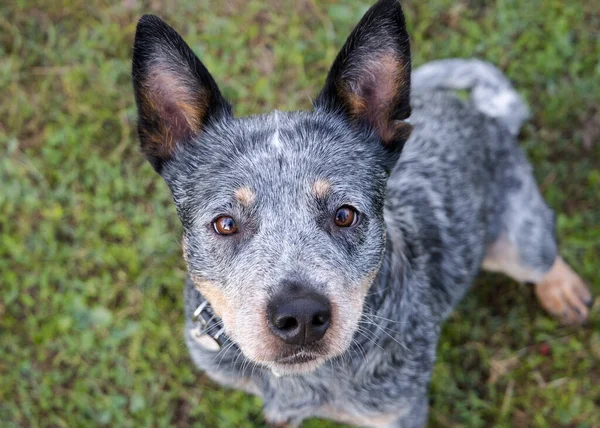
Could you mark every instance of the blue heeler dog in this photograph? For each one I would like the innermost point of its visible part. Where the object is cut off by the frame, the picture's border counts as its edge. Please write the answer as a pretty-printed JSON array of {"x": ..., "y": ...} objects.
[{"x": 326, "y": 248}]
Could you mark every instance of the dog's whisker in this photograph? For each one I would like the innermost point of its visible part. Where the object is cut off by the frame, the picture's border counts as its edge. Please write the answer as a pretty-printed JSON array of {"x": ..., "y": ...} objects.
[
  {"x": 377, "y": 291},
  {"x": 247, "y": 363},
  {"x": 380, "y": 327},
  {"x": 385, "y": 319},
  {"x": 346, "y": 360},
  {"x": 389, "y": 335},
  {"x": 359, "y": 348},
  {"x": 223, "y": 351},
  {"x": 362, "y": 349},
  {"x": 254, "y": 366},
  {"x": 369, "y": 338},
  {"x": 237, "y": 357},
  {"x": 216, "y": 325},
  {"x": 369, "y": 322},
  {"x": 392, "y": 337},
  {"x": 243, "y": 369}
]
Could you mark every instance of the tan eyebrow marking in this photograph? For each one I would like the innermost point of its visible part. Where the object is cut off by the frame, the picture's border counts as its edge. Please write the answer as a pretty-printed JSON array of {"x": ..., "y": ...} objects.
[
  {"x": 245, "y": 196},
  {"x": 321, "y": 188}
]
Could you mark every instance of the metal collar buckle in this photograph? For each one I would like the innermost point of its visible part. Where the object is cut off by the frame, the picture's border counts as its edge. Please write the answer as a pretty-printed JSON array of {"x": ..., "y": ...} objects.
[{"x": 209, "y": 331}]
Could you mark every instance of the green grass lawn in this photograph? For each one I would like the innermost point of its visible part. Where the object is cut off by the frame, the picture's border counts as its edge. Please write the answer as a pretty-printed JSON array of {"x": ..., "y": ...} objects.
[{"x": 91, "y": 273}]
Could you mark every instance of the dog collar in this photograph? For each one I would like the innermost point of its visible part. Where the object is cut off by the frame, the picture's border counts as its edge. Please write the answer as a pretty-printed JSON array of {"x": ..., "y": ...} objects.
[{"x": 208, "y": 330}]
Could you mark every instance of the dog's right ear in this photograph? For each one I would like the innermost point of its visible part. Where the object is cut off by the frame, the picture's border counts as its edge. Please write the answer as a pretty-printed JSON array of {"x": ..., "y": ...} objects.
[{"x": 175, "y": 94}]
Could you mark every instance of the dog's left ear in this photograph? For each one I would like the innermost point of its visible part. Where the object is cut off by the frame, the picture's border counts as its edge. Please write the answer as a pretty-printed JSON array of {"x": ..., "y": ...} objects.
[{"x": 370, "y": 78}]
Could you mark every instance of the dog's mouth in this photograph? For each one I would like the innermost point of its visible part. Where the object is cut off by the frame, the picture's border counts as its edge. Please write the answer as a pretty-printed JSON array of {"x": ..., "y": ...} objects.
[
  {"x": 299, "y": 363},
  {"x": 301, "y": 357}
]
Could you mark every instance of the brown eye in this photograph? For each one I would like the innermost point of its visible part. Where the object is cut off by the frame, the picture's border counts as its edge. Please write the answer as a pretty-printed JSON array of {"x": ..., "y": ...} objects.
[
  {"x": 346, "y": 216},
  {"x": 225, "y": 225}
]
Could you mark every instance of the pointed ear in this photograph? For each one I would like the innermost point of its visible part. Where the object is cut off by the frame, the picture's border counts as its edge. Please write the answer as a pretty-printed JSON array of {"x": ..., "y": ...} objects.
[
  {"x": 175, "y": 94},
  {"x": 370, "y": 78}
]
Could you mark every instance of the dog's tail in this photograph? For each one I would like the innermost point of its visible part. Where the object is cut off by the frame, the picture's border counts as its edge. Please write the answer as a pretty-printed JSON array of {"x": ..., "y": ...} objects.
[{"x": 491, "y": 92}]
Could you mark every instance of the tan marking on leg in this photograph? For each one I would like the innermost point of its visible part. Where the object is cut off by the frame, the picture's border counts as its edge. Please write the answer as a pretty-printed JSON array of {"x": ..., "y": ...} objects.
[
  {"x": 373, "y": 420},
  {"x": 245, "y": 196},
  {"x": 503, "y": 256},
  {"x": 321, "y": 188},
  {"x": 560, "y": 291},
  {"x": 564, "y": 294}
]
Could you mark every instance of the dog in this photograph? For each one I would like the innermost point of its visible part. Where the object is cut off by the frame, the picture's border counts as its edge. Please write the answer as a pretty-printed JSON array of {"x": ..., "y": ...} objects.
[{"x": 326, "y": 248}]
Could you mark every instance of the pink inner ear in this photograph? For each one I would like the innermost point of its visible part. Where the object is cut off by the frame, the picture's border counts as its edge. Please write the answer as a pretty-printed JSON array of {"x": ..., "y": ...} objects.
[
  {"x": 175, "y": 100},
  {"x": 378, "y": 85},
  {"x": 373, "y": 89}
]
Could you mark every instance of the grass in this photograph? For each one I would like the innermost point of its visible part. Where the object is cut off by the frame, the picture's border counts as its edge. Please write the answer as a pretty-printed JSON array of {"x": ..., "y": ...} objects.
[{"x": 90, "y": 269}]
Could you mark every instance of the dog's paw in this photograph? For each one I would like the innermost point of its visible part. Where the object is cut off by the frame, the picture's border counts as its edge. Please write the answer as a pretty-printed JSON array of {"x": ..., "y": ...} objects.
[
  {"x": 564, "y": 294},
  {"x": 279, "y": 423}
]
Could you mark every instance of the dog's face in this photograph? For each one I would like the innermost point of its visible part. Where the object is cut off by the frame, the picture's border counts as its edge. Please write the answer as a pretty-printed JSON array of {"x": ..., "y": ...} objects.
[{"x": 282, "y": 213}]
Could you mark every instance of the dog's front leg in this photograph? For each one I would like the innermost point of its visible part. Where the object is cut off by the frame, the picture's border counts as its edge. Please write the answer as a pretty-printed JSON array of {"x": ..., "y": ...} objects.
[{"x": 412, "y": 416}]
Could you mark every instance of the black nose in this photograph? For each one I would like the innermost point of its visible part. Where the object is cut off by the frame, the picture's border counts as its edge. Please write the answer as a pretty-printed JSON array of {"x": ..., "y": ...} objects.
[{"x": 299, "y": 318}]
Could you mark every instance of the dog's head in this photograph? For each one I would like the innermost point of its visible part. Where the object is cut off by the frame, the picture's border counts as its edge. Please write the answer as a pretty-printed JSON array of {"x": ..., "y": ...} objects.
[{"x": 283, "y": 213}]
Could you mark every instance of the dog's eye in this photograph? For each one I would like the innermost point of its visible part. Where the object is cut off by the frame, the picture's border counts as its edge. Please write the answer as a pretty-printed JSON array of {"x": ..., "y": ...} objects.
[
  {"x": 225, "y": 225},
  {"x": 346, "y": 216}
]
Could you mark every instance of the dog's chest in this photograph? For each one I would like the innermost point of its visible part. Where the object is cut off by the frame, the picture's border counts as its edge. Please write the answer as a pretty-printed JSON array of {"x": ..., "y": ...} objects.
[{"x": 336, "y": 393}]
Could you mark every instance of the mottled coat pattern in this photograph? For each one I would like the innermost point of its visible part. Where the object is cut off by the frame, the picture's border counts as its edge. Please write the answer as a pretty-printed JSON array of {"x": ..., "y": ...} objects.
[{"x": 433, "y": 208}]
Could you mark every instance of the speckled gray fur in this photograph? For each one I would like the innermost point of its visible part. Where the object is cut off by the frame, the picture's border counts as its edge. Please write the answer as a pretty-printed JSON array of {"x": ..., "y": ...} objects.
[{"x": 460, "y": 184}]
